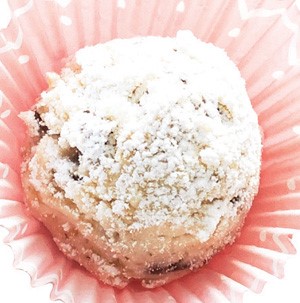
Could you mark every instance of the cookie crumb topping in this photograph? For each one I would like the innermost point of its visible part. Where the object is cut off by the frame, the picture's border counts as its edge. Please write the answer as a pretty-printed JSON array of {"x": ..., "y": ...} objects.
[{"x": 136, "y": 143}]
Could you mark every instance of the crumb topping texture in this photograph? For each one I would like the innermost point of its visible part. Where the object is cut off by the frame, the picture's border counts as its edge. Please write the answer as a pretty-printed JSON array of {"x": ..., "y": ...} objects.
[{"x": 148, "y": 131}]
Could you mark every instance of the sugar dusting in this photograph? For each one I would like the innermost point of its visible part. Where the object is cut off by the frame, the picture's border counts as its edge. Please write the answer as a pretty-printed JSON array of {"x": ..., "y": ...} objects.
[{"x": 148, "y": 131}]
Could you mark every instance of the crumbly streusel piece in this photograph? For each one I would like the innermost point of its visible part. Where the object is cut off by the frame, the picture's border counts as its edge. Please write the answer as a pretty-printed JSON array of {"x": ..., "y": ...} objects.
[{"x": 145, "y": 157}]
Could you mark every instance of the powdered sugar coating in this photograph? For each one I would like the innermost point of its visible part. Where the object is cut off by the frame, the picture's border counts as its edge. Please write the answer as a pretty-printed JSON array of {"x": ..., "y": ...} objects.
[{"x": 162, "y": 130}]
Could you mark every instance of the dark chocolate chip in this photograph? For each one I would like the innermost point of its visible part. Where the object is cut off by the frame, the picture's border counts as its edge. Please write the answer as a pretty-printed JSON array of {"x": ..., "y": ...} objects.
[
  {"x": 86, "y": 111},
  {"x": 42, "y": 126},
  {"x": 235, "y": 199},
  {"x": 116, "y": 236},
  {"x": 183, "y": 81},
  {"x": 158, "y": 269},
  {"x": 174, "y": 49},
  {"x": 75, "y": 177},
  {"x": 74, "y": 153}
]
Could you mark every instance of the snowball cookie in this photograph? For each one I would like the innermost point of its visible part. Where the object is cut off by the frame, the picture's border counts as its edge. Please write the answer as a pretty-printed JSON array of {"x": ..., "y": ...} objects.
[{"x": 144, "y": 157}]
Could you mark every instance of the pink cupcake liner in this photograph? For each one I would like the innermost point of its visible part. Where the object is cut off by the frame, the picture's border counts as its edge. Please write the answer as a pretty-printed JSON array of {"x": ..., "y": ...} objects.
[{"x": 261, "y": 37}]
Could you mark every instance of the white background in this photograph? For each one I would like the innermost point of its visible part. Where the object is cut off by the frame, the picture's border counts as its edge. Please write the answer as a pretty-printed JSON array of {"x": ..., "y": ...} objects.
[{"x": 15, "y": 284}]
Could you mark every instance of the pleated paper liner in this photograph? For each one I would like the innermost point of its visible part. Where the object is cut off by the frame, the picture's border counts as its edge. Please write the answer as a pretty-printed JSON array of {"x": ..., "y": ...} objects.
[{"x": 261, "y": 37}]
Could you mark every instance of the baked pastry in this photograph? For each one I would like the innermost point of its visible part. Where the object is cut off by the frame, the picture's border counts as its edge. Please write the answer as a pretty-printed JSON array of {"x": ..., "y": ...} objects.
[{"x": 144, "y": 157}]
